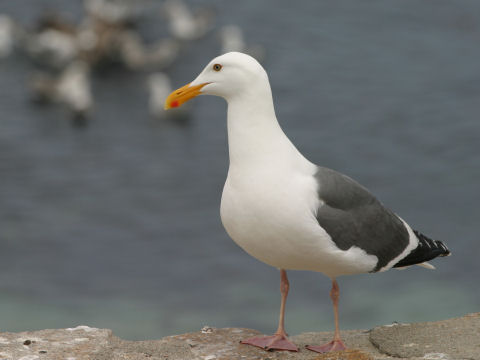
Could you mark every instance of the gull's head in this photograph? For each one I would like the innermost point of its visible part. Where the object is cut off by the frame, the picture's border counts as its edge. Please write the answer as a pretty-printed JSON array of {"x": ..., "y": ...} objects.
[{"x": 227, "y": 76}]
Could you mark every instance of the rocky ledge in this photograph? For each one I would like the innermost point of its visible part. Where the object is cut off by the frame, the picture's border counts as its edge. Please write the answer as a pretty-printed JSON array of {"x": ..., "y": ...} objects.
[{"x": 452, "y": 339}]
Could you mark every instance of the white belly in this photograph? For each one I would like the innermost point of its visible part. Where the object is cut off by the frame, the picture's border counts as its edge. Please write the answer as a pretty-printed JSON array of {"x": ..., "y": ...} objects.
[{"x": 273, "y": 219}]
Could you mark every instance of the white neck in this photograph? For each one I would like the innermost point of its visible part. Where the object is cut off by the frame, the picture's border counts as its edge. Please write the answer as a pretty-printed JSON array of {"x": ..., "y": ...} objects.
[{"x": 254, "y": 135}]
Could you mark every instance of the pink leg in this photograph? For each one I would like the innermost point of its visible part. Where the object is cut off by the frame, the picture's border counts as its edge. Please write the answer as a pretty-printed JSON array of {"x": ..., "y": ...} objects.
[
  {"x": 279, "y": 340},
  {"x": 336, "y": 344}
]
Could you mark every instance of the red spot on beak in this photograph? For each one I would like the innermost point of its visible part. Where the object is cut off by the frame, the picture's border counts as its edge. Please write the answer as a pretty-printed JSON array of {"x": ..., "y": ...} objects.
[{"x": 174, "y": 104}]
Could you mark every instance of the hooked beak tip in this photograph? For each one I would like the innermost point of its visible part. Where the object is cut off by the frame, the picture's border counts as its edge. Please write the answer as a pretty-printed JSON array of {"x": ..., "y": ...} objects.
[{"x": 182, "y": 95}]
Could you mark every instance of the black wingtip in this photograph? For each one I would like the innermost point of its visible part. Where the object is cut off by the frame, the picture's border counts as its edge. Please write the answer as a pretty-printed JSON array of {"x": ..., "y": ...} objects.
[{"x": 426, "y": 250}]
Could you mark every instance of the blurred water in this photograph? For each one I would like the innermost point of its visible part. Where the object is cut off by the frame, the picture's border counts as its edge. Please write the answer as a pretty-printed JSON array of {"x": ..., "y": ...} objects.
[{"x": 117, "y": 225}]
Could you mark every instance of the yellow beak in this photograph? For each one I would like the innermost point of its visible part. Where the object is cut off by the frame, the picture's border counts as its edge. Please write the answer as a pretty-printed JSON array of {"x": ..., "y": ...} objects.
[{"x": 182, "y": 95}]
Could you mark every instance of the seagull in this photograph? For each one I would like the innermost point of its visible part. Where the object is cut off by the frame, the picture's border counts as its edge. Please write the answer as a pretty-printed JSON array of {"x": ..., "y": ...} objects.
[
  {"x": 115, "y": 11},
  {"x": 232, "y": 39},
  {"x": 7, "y": 35},
  {"x": 137, "y": 55},
  {"x": 159, "y": 85},
  {"x": 70, "y": 88},
  {"x": 288, "y": 212},
  {"x": 74, "y": 90},
  {"x": 53, "y": 47},
  {"x": 183, "y": 24}
]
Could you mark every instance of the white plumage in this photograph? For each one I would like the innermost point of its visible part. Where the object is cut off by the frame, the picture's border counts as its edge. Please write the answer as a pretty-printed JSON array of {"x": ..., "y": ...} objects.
[{"x": 288, "y": 212}]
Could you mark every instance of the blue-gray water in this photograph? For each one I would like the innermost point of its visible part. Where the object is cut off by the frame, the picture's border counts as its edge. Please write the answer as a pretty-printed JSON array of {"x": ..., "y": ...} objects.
[{"x": 117, "y": 225}]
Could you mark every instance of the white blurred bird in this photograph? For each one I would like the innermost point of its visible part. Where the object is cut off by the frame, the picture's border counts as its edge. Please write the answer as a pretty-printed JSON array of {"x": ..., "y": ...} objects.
[
  {"x": 183, "y": 24},
  {"x": 53, "y": 47},
  {"x": 7, "y": 35},
  {"x": 71, "y": 88},
  {"x": 160, "y": 87},
  {"x": 136, "y": 55},
  {"x": 115, "y": 11},
  {"x": 74, "y": 88},
  {"x": 232, "y": 39}
]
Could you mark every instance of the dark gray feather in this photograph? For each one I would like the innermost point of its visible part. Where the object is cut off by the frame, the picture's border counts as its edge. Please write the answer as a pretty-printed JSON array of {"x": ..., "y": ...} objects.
[{"x": 354, "y": 217}]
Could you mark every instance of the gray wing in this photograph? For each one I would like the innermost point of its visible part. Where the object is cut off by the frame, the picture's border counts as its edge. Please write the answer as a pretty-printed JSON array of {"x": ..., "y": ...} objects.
[{"x": 354, "y": 217}]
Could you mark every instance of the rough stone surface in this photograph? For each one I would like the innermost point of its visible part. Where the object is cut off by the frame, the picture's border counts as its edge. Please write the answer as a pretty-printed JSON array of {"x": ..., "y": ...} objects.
[
  {"x": 452, "y": 339},
  {"x": 457, "y": 338},
  {"x": 80, "y": 343}
]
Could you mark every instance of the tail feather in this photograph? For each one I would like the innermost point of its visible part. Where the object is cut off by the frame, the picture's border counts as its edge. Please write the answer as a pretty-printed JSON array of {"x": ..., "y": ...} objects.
[
  {"x": 427, "y": 265},
  {"x": 426, "y": 250}
]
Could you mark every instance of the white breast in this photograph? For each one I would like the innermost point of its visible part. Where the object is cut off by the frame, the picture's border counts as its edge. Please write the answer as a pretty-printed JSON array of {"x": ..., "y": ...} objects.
[
  {"x": 270, "y": 198},
  {"x": 271, "y": 215}
]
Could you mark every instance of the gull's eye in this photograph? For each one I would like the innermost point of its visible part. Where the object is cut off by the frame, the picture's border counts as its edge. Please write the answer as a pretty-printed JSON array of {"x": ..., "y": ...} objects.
[{"x": 217, "y": 67}]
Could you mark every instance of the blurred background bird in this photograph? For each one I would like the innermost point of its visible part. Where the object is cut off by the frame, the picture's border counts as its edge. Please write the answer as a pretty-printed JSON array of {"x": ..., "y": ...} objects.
[
  {"x": 232, "y": 39},
  {"x": 184, "y": 24},
  {"x": 160, "y": 86}
]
